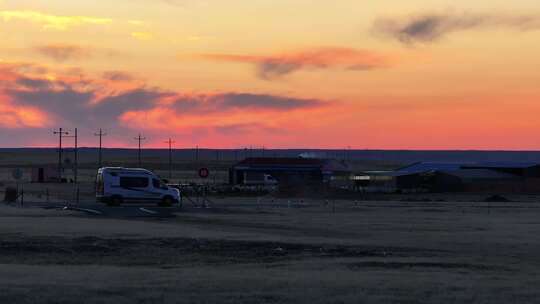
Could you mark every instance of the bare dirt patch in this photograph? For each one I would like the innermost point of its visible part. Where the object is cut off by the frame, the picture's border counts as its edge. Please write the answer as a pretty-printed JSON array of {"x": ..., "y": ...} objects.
[
  {"x": 425, "y": 265},
  {"x": 177, "y": 251}
]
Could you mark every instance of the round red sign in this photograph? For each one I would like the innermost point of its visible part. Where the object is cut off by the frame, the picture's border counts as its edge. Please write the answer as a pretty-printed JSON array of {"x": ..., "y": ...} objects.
[{"x": 204, "y": 172}]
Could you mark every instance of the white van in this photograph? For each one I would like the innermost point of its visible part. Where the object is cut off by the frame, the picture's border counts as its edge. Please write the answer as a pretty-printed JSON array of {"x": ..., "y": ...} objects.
[{"x": 117, "y": 185}]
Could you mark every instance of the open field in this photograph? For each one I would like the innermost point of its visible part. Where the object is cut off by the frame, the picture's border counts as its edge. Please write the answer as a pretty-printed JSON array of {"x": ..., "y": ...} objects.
[
  {"x": 394, "y": 248},
  {"x": 372, "y": 252}
]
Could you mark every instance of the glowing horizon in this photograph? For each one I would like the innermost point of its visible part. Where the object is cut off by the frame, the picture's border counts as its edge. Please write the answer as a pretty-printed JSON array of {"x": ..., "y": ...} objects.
[{"x": 279, "y": 74}]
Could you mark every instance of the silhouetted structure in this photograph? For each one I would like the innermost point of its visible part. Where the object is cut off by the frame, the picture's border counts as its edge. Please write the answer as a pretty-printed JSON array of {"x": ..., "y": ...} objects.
[
  {"x": 294, "y": 174},
  {"x": 454, "y": 177},
  {"x": 45, "y": 175}
]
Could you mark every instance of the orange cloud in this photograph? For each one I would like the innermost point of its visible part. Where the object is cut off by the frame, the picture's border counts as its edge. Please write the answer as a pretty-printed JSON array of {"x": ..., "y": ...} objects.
[
  {"x": 220, "y": 115},
  {"x": 39, "y": 96},
  {"x": 144, "y": 36},
  {"x": 232, "y": 127},
  {"x": 274, "y": 66},
  {"x": 36, "y": 96},
  {"x": 18, "y": 117}
]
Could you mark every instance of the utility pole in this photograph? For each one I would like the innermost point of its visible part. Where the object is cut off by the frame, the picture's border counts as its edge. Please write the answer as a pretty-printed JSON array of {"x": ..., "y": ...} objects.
[
  {"x": 140, "y": 139},
  {"x": 75, "y": 137},
  {"x": 76, "y": 168},
  {"x": 75, "y": 151},
  {"x": 101, "y": 134},
  {"x": 61, "y": 134},
  {"x": 170, "y": 142},
  {"x": 197, "y": 153}
]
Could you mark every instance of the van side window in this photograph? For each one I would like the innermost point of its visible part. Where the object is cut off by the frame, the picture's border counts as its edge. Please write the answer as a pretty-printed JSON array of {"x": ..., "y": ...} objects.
[
  {"x": 158, "y": 184},
  {"x": 133, "y": 182}
]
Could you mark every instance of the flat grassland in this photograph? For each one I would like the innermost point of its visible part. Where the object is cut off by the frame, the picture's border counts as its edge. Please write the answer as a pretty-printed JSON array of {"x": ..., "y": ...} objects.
[
  {"x": 258, "y": 250},
  {"x": 371, "y": 252}
]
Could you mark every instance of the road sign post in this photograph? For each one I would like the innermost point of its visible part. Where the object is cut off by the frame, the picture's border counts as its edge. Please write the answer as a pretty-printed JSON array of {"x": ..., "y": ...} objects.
[{"x": 204, "y": 173}]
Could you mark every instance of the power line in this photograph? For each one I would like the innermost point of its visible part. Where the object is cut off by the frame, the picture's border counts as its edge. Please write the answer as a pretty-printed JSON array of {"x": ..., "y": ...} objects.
[
  {"x": 101, "y": 134},
  {"x": 140, "y": 138},
  {"x": 61, "y": 134},
  {"x": 76, "y": 154},
  {"x": 76, "y": 163},
  {"x": 170, "y": 142},
  {"x": 76, "y": 168}
]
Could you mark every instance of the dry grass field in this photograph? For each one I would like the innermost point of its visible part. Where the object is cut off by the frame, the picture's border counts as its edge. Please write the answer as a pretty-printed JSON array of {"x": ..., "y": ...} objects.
[
  {"x": 370, "y": 253},
  {"x": 266, "y": 250}
]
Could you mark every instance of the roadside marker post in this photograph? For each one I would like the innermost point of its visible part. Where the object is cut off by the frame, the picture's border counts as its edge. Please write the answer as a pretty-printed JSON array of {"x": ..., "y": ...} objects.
[
  {"x": 204, "y": 197},
  {"x": 22, "y": 195},
  {"x": 17, "y": 174}
]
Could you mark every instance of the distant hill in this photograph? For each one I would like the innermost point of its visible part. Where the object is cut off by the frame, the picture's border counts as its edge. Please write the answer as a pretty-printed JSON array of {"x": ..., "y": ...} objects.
[{"x": 390, "y": 156}]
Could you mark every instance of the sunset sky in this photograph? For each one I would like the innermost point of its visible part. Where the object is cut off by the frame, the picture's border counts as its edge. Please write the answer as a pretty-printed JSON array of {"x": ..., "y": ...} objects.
[{"x": 385, "y": 74}]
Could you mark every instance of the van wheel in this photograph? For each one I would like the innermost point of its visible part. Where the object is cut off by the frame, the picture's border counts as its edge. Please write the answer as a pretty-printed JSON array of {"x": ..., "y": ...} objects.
[
  {"x": 115, "y": 201},
  {"x": 167, "y": 201}
]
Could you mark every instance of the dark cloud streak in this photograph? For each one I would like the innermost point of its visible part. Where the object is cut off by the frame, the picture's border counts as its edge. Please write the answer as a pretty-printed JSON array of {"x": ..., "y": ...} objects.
[
  {"x": 430, "y": 28},
  {"x": 118, "y": 76},
  {"x": 69, "y": 102},
  {"x": 235, "y": 129},
  {"x": 109, "y": 108},
  {"x": 63, "y": 53},
  {"x": 275, "y": 66},
  {"x": 67, "y": 105},
  {"x": 243, "y": 101}
]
